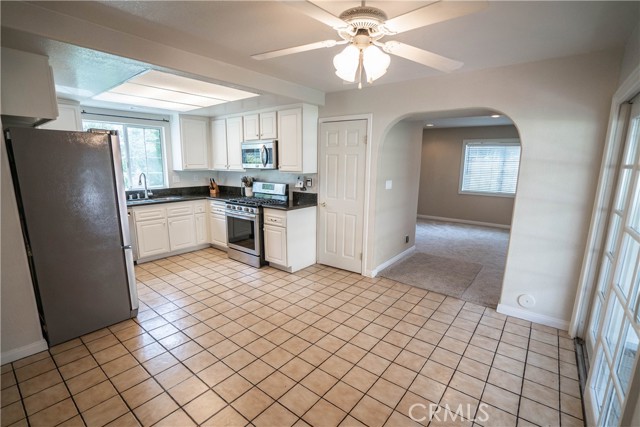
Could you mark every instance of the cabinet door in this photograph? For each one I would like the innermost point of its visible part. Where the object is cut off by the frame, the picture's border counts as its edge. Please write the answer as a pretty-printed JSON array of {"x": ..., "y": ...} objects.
[
  {"x": 219, "y": 144},
  {"x": 290, "y": 140},
  {"x": 218, "y": 230},
  {"x": 194, "y": 138},
  {"x": 234, "y": 143},
  {"x": 251, "y": 127},
  {"x": 181, "y": 232},
  {"x": 68, "y": 119},
  {"x": 153, "y": 238},
  {"x": 275, "y": 245},
  {"x": 201, "y": 228},
  {"x": 268, "y": 125}
]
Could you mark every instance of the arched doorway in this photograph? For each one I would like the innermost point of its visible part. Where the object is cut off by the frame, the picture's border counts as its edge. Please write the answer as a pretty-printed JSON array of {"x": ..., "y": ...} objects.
[{"x": 464, "y": 204}]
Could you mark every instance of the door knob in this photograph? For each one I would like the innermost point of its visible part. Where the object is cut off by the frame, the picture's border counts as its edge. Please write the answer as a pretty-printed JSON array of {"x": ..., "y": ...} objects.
[{"x": 323, "y": 204}]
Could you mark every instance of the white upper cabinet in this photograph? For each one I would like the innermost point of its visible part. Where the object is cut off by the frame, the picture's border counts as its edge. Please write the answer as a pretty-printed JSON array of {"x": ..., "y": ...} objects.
[
  {"x": 298, "y": 139},
  {"x": 260, "y": 126},
  {"x": 219, "y": 144},
  {"x": 28, "y": 90},
  {"x": 234, "y": 143},
  {"x": 69, "y": 117},
  {"x": 190, "y": 142},
  {"x": 226, "y": 141}
]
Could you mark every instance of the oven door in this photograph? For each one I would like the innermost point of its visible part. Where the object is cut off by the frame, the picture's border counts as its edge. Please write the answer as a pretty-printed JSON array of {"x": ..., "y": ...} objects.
[{"x": 243, "y": 233}]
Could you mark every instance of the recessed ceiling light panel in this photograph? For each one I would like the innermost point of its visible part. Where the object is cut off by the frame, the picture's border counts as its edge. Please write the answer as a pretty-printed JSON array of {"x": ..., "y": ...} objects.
[{"x": 170, "y": 92}]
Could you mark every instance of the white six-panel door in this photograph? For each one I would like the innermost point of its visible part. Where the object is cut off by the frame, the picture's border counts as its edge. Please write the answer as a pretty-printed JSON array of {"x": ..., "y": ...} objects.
[{"x": 342, "y": 150}]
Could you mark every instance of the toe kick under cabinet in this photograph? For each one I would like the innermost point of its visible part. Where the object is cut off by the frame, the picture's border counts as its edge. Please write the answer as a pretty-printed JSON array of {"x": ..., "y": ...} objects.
[
  {"x": 169, "y": 229},
  {"x": 290, "y": 238}
]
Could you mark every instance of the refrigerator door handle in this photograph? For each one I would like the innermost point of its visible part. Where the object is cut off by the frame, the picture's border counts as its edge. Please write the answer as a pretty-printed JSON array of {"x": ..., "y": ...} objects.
[{"x": 131, "y": 277}]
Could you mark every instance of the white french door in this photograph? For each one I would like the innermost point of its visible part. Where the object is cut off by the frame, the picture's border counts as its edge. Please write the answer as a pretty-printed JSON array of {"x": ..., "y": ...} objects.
[
  {"x": 342, "y": 164},
  {"x": 614, "y": 326}
]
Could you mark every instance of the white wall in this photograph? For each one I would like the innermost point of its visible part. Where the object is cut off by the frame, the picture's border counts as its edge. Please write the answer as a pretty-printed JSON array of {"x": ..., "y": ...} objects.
[
  {"x": 395, "y": 218},
  {"x": 21, "y": 333},
  {"x": 560, "y": 108}
]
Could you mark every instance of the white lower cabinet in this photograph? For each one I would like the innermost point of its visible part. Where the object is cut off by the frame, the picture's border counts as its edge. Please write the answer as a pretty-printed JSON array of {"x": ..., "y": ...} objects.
[
  {"x": 153, "y": 238},
  {"x": 181, "y": 232},
  {"x": 151, "y": 230},
  {"x": 217, "y": 224},
  {"x": 290, "y": 238},
  {"x": 168, "y": 228},
  {"x": 200, "y": 216},
  {"x": 201, "y": 228},
  {"x": 275, "y": 244}
]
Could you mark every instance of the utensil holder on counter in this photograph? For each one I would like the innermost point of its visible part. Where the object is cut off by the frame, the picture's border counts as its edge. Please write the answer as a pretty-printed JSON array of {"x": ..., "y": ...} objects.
[{"x": 214, "y": 193}]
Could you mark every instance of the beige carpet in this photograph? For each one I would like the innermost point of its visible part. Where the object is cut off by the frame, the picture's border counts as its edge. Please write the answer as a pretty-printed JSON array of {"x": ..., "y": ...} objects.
[
  {"x": 443, "y": 275},
  {"x": 456, "y": 245}
]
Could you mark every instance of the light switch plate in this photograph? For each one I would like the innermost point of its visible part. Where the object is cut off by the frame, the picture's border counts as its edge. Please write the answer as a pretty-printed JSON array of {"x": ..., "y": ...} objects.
[{"x": 388, "y": 185}]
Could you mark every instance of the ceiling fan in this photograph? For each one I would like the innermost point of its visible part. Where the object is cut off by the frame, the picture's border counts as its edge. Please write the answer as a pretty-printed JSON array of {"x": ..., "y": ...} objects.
[{"x": 362, "y": 27}]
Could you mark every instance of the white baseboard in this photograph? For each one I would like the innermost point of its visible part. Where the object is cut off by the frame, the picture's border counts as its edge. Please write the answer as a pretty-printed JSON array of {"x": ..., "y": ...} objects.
[
  {"x": 396, "y": 258},
  {"x": 464, "y": 221},
  {"x": 542, "y": 319},
  {"x": 24, "y": 351}
]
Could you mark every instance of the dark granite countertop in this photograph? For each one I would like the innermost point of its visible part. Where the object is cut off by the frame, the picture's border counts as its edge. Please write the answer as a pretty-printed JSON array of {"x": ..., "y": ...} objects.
[
  {"x": 181, "y": 194},
  {"x": 299, "y": 200}
]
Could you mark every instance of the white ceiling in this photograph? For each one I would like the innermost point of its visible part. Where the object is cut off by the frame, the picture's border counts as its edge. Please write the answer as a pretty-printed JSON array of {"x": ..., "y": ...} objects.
[{"x": 507, "y": 32}]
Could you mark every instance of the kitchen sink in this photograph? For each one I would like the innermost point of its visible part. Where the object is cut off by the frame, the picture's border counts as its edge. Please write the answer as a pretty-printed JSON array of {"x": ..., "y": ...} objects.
[{"x": 154, "y": 200}]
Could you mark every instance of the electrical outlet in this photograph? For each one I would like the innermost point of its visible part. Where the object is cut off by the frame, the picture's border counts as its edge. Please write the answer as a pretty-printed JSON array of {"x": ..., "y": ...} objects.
[
  {"x": 308, "y": 182},
  {"x": 406, "y": 238}
]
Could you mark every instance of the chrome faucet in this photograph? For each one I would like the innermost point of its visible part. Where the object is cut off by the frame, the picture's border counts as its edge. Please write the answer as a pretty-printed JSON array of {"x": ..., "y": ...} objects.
[{"x": 147, "y": 193}]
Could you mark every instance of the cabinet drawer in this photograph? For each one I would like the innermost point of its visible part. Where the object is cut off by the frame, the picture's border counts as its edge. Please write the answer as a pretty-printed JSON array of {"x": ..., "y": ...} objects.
[
  {"x": 217, "y": 208},
  {"x": 147, "y": 214},
  {"x": 199, "y": 207},
  {"x": 275, "y": 219},
  {"x": 180, "y": 210}
]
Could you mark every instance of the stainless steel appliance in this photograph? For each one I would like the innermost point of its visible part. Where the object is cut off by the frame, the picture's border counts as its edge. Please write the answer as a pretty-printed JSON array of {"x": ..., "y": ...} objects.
[
  {"x": 260, "y": 154},
  {"x": 71, "y": 199},
  {"x": 245, "y": 241}
]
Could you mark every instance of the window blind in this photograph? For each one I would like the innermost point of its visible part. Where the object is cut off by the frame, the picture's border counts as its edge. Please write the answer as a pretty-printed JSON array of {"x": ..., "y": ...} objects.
[{"x": 490, "y": 167}]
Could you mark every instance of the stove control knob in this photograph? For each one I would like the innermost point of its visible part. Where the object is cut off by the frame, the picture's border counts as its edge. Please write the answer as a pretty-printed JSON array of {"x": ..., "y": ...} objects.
[{"x": 247, "y": 209}]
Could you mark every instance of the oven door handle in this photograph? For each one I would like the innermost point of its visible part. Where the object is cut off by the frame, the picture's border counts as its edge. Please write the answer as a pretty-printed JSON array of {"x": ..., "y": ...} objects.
[{"x": 249, "y": 217}]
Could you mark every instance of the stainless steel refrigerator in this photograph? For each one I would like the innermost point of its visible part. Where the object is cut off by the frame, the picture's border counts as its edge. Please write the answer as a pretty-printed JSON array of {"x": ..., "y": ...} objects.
[{"x": 71, "y": 198}]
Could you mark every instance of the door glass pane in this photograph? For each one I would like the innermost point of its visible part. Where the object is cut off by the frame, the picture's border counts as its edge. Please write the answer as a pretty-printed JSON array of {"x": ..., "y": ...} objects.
[
  {"x": 612, "y": 335},
  {"x": 621, "y": 196},
  {"x": 595, "y": 320},
  {"x": 614, "y": 232},
  {"x": 628, "y": 263},
  {"x": 612, "y": 417},
  {"x": 632, "y": 142},
  {"x": 601, "y": 381},
  {"x": 626, "y": 356},
  {"x": 634, "y": 217},
  {"x": 605, "y": 275}
]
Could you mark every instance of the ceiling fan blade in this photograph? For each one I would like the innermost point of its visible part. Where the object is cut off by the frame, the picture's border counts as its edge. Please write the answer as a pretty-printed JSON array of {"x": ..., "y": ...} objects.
[
  {"x": 317, "y": 13},
  {"x": 430, "y": 59},
  {"x": 296, "y": 49},
  {"x": 433, "y": 13}
]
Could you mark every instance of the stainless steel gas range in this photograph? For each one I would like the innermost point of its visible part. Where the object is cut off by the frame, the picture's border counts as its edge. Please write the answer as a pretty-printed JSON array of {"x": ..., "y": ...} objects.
[{"x": 245, "y": 240}]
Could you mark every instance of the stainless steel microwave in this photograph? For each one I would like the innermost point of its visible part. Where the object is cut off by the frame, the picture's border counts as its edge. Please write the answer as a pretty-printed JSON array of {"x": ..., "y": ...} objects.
[{"x": 262, "y": 154}]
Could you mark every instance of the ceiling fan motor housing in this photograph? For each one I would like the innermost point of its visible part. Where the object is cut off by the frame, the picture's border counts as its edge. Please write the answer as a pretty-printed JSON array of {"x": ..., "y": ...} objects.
[{"x": 364, "y": 17}]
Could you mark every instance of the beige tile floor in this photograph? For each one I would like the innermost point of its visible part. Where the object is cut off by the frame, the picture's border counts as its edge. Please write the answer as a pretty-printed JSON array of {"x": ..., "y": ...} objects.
[{"x": 218, "y": 343}]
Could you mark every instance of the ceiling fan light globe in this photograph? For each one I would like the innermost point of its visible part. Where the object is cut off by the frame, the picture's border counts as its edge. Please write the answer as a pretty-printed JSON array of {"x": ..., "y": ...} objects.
[
  {"x": 346, "y": 63},
  {"x": 375, "y": 63}
]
